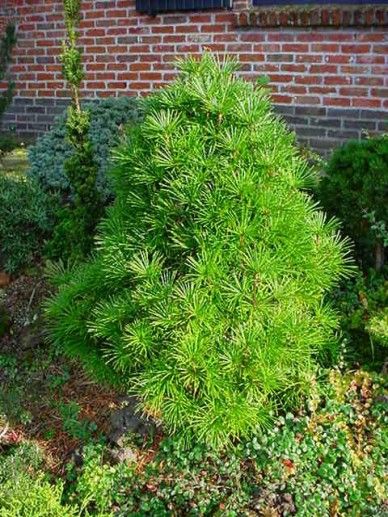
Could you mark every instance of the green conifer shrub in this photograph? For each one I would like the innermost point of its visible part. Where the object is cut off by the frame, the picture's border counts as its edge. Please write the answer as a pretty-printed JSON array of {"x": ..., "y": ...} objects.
[
  {"x": 74, "y": 232},
  {"x": 355, "y": 189},
  {"x": 205, "y": 296}
]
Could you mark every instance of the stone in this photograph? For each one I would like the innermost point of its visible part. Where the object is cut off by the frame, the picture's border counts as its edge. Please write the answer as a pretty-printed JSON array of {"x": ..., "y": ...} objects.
[
  {"x": 123, "y": 455},
  {"x": 127, "y": 419}
]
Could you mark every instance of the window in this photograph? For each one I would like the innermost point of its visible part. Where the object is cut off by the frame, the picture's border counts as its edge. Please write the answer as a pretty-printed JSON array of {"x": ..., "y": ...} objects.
[
  {"x": 318, "y": 3},
  {"x": 157, "y": 6}
]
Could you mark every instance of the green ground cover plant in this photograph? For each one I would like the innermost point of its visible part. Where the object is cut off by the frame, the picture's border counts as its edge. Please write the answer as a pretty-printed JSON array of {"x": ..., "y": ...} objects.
[
  {"x": 325, "y": 459},
  {"x": 205, "y": 296},
  {"x": 25, "y": 491},
  {"x": 26, "y": 220}
]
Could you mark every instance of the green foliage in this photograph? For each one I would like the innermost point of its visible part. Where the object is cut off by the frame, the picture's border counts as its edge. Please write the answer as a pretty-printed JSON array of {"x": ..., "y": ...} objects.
[
  {"x": 355, "y": 189},
  {"x": 332, "y": 460},
  {"x": 24, "y": 490},
  {"x": 206, "y": 291},
  {"x": 78, "y": 428},
  {"x": 98, "y": 484},
  {"x": 73, "y": 235},
  {"x": 19, "y": 459},
  {"x": 328, "y": 459},
  {"x": 13, "y": 392},
  {"x": 378, "y": 327},
  {"x": 361, "y": 303},
  {"x": 26, "y": 214},
  {"x": 33, "y": 497},
  {"x": 47, "y": 157},
  {"x": 8, "y": 142},
  {"x": 71, "y": 56},
  {"x": 7, "y": 43}
]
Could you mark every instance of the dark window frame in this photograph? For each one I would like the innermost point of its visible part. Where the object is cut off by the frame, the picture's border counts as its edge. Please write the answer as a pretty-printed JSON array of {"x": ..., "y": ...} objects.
[{"x": 163, "y": 6}]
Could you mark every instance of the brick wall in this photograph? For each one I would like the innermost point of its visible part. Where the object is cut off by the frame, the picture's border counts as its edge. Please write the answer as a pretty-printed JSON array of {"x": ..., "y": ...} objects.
[{"x": 327, "y": 68}]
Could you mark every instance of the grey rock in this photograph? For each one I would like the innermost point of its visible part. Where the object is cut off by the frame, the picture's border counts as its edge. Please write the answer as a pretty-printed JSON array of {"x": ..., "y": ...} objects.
[
  {"x": 127, "y": 419},
  {"x": 123, "y": 455}
]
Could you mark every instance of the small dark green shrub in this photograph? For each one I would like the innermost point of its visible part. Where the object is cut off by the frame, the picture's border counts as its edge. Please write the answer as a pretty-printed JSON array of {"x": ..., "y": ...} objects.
[
  {"x": 8, "y": 142},
  {"x": 362, "y": 305},
  {"x": 355, "y": 189},
  {"x": 26, "y": 220},
  {"x": 107, "y": 117},
  {"x": 206, "y": 292}
]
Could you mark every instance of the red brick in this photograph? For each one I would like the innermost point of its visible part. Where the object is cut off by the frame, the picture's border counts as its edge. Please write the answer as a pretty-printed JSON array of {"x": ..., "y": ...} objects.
[
  {"x": 294, "y": 47},
  {"x": 127, "y": 53},
  {"x": 322, "y": 90},
  {"x": 338, "y": 59},
  {"x": 379, "y": 92},
  {"x": 366, "y": 103},
  {"x": 96, "y": 85},
  {"x": 307, "y": 100},
  {"x": 353, "y": 91},
  {"x": 336, "y": 101},
  {"x": 290, "y": 67},
  {"x": 369, "y": 81},
  {"x": 337, "y": 79},
  {"x": 308, "y": 79},
  {"x": 308, "y": 58},
  {"x": 381, "y": 49},
  {"x": 325, "y": 47},
  {"x": 282, "y": 99},
  {"x": 323, "y": 69},
  {"x": 355, "y": 49},
  {"x": 150, "y": 76},
  {"x": 119, "y": 85},
  {"x": 291, "y": 88}
]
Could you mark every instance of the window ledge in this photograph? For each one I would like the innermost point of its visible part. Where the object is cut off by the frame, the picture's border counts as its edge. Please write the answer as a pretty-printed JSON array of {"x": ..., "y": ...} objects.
[{"x": 313, "y": 16}]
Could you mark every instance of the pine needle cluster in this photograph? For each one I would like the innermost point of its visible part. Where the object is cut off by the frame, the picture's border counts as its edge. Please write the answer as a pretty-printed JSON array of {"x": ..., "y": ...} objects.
[{"x": 205, "y": 296}]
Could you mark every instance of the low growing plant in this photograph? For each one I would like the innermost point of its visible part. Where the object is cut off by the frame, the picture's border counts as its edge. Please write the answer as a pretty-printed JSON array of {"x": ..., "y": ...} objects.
[
  {"x": 25, "y": 491},
  {"x": 26, "y": 221},
  {"x": 78, "y": 428},
  {"x": 327, "y": 458},
  {"x": 206, "y": 293}
]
